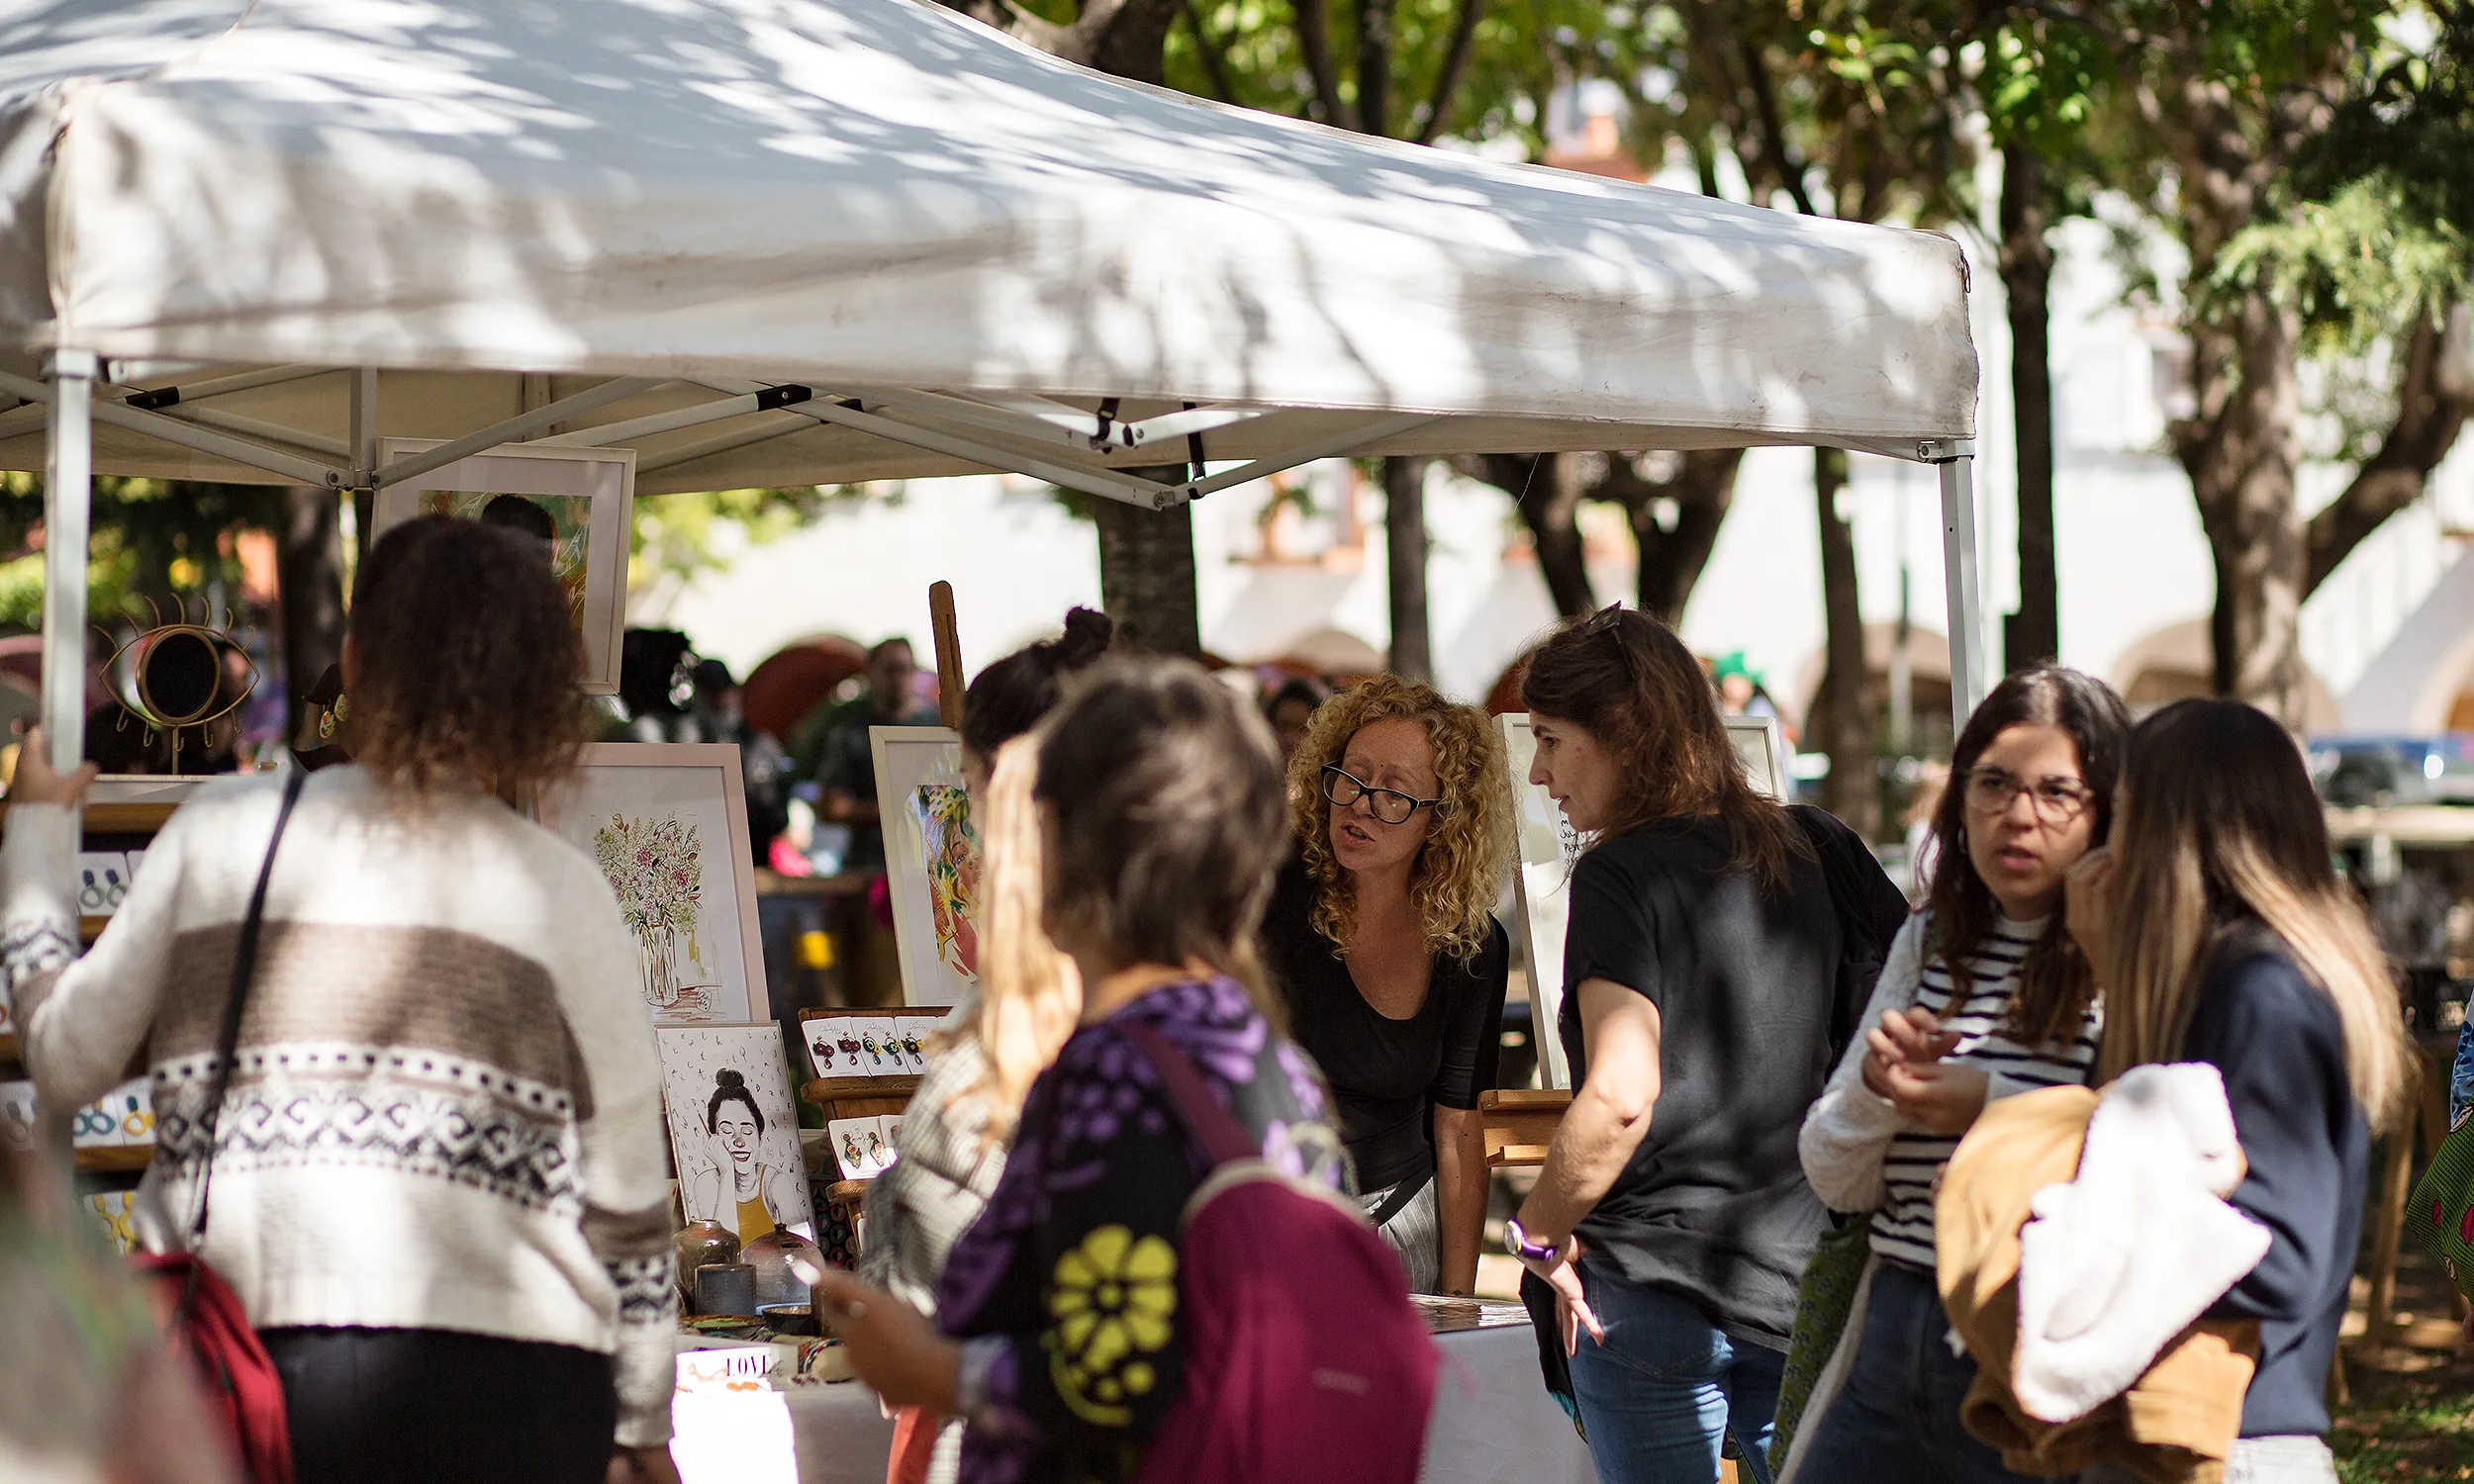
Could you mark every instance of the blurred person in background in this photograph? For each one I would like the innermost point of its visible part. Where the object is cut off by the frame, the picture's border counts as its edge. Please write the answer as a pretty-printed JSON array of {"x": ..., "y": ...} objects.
[
  {"x": 829, "y": 746},
  {"x": 1290, "y": 711}
]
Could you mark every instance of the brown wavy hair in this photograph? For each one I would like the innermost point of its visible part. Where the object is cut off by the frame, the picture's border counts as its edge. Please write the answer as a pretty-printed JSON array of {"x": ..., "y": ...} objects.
[
  {"x": 465, "y": 660},
  {"x": 1459, "y": 871},
  {"x": 1625, "y": 679},
  {"x": 2056, "y": 984}
]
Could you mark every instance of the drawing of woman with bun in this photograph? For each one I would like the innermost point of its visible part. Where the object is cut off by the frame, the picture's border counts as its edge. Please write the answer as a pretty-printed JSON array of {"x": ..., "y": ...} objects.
[{"x": 739, "y": 1190}]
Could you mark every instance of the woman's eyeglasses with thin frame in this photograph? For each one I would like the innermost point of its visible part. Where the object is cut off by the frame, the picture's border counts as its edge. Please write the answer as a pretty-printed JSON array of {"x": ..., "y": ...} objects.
[
  {"x": 1390, "y": 805},
  {"x": 2058, "y": 801}
]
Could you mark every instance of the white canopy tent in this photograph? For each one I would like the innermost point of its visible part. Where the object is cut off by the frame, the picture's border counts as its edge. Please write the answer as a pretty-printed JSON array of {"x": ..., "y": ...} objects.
[{"x": 783, "y": 241}]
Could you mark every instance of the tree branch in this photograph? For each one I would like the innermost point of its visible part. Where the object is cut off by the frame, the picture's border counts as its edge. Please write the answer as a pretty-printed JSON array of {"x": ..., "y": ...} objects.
[
  {"x": 1314, "y": 18},
  {"x": 1454, "y": 63},
  {"x": 1774, "y": 144},
  {"x": 2431, "y": 408},
  {"x": 1215, "y": 60},
  {"x": 1374, "y": 38},
  {"x": 1548, "y": 502}
]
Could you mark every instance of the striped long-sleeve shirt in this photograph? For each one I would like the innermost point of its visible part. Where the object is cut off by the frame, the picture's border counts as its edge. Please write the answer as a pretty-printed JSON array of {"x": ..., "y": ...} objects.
[{"x": 1972, "y": 1003}]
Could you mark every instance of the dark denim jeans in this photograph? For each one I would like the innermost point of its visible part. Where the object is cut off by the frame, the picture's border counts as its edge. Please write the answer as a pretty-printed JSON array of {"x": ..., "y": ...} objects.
[
  {"x": 1896, "y": 1421},
  {"x": 1667, "y": 1386}
]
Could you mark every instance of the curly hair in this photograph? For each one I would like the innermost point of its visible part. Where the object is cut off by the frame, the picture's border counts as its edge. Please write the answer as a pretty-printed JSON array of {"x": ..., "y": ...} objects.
[
  {"x": 465, "y": 660},
  {"x": 1459, "y": 871}
]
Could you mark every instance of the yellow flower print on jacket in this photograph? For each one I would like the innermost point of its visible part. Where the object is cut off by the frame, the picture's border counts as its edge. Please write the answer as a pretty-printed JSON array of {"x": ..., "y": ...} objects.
[{"x": 1111, "y": 1301}]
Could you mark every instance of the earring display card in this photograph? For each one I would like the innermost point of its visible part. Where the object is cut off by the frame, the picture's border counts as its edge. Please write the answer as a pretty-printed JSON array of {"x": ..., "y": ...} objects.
[
  {"x": 17, "y": 1115},
  {"x": 123, "y": 1116},
  {"x": 112, "y": 1209},
  {"x": 102, "y": 883},
  {"x": 862, "y": 1146},
  {"x": 878, "y": 1043},
  {"x": 867, "y": 1045}
]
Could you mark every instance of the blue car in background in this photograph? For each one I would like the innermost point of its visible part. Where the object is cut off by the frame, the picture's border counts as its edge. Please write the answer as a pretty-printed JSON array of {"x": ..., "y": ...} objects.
[{"x": 2353, "y": 772}]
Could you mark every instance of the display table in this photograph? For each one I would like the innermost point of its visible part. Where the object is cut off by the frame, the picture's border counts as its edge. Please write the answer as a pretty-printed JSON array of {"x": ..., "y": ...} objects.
[{"x": 1492, "y": 1422}]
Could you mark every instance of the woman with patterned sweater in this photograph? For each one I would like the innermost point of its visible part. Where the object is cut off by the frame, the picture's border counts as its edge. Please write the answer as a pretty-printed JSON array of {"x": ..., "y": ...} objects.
[
  {"x": 1160, "y": 804},
  {"x": 438, "y": 1182}
]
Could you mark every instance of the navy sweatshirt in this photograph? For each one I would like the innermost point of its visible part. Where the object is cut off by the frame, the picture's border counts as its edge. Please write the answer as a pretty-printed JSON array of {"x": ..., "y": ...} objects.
[{"x": 2276, "y": 1038}]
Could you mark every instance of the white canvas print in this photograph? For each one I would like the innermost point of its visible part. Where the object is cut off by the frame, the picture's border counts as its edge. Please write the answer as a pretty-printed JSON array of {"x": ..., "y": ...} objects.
[
  {"x": 932, "y": 855},
  {"x": 580, "y": 499},
  {"x": 1542, "y": 886},
  {"x": 733, "y": 1129},
  {"x": 1760, "y": 748},
  {"x": 668, "y": 826}
]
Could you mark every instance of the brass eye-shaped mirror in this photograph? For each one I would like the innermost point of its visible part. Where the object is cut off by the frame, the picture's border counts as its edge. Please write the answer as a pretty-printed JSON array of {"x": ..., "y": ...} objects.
[{"x": 175, "y": 676}]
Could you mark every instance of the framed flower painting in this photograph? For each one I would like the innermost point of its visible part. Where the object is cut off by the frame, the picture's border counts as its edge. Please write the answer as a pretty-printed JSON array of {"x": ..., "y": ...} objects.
[{"x": 667, "y": 824}]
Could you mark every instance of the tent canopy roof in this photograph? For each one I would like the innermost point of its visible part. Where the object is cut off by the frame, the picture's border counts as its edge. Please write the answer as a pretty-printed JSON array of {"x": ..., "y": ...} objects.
[{"x": 956, "y": 250}]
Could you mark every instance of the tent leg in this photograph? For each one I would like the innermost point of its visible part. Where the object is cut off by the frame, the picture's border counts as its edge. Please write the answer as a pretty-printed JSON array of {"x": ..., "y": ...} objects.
[
  {"x": 68, "y": 495},
  {"x": 1967, "y": 681}
]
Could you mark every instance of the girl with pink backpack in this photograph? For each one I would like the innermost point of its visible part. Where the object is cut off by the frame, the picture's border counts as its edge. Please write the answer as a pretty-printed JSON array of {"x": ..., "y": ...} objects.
[{"x": 1169, "y": 1282}]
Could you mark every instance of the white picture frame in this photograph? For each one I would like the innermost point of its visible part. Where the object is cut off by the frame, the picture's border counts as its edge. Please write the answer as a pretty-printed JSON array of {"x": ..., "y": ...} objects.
[
  {"x": 589, "y": 496},
  {"x": 703, "y": 964},
  {"x": 934, "y": 937},
  {"x": 705, "y": 1144},
  {"x": 1541, "y": 876},
  {"x": 1761, "y": 746}
]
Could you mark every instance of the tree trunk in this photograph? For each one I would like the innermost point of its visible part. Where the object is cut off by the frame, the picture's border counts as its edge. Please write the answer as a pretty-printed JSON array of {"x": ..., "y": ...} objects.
[
  {"x": 309, "y": 577},
  {"x": 1546, "y": 490},
  {"x": 1147, "y": 573},
  {"x": 1404, "y": 536},
  {"x": 1672, "y": 559},
  {"x": 2027, "y": 263},
  {"x": 1846, "y": 721},
  {"x": 2241, "y": 461}
]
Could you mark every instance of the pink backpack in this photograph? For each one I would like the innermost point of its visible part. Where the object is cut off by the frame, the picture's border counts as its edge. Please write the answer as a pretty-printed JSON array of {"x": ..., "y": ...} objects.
[{"x": 1305, "y": 1359}]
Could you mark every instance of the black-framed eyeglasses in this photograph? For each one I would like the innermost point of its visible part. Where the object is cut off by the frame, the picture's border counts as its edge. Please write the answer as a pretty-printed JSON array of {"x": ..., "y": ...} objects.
[
  {"x": 2058, "y": 801},
  {"x": 1390, "y": 805}
]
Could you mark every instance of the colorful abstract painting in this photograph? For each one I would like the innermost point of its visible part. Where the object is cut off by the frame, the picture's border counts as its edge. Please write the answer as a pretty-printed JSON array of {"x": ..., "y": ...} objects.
[
  {"x": 570, "y": 516},
  {"x": 949, "y": 852}
]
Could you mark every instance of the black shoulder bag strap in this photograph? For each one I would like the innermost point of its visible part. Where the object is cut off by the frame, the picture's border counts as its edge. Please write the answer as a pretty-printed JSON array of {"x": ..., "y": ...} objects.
[{"x": 228, "y": 1041}]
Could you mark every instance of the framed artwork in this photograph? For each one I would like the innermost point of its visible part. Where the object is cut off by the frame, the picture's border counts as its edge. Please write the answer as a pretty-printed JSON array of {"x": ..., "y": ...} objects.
[
  {"x": 667, "y": 823},
  {"x": 932, "y": 855},
  {"x": 580, "y": 499},
  {"x": 1761, "y": 748},
  {"x": 733, "y": 1129},
  {"x": 1541, "y": 890},
  {"x": 1548, "y": 846}
]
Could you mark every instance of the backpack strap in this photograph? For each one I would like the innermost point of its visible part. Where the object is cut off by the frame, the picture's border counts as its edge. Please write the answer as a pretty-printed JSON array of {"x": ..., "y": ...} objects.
[{"x": 1223, "y": 1137}]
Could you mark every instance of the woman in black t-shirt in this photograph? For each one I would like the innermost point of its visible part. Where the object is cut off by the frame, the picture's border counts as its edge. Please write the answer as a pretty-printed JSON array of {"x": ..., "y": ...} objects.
[
  {"x": 1671, "y": 1220},
  {"x": 1383, "y": 936}
]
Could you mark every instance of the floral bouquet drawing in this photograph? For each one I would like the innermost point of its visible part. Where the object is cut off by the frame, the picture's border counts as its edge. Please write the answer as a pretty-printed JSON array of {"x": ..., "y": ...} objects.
[
  {"x": 950, "y": 849},
  {"x": 654, "y": 865}
]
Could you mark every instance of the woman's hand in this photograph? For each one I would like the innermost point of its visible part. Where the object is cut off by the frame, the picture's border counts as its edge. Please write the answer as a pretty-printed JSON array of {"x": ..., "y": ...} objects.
[
  {"x": 1908, "y": 1037},
  {"x": 891, "y": 1346},
  {"x": 1939, "y": 1098},
  {"x": 38, "y": 781},
  {"x": 1572, "y": 1304},
  {"x": 641, "y": 1467},
  {"x": 2087, "y": 906}
]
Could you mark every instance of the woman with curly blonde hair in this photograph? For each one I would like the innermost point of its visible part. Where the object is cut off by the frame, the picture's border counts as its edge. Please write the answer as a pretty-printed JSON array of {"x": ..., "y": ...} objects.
[{"x": 1383, "y": 936}]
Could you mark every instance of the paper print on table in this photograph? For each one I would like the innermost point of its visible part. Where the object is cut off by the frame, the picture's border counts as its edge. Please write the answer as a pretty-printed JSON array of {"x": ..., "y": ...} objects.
[
  {"x": 667, "y": 826},
  {"x": 1541, "y": 888},
  {"x": 733, "y": 1129},
  {"x": 932, "y": 856},
  {"x": 578, "y": 500}
]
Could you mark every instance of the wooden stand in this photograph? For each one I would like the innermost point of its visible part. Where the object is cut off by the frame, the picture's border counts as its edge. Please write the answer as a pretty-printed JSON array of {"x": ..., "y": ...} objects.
[{"x": 1520, "y": 1124}]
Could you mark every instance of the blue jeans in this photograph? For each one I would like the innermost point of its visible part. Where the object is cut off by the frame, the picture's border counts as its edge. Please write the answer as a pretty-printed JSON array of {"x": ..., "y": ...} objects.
[
  {"x": 1896, "y": 1421},
  {"x": 1666, "y": 1385}
]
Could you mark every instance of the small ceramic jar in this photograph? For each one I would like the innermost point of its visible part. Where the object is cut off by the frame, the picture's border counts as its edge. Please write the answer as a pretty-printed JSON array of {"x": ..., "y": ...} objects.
[{"x": 703, "y": 1243}]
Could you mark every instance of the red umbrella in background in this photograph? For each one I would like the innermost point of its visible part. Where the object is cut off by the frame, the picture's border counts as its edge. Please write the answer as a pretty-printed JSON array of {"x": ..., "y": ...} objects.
[{"x": 794, "y": 678}]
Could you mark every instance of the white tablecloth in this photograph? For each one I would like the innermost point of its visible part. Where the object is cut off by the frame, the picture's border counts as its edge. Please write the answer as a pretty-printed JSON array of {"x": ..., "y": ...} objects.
[{"x": 1492, "y": 1422}]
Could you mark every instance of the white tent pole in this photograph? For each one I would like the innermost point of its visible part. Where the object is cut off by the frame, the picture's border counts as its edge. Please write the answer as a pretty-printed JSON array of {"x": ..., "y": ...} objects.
[
  {"x": 364, "y": 425},
  {"x": 1959, "y": 568},
  {"x": 67, "y": 509},
  {"x": 617, "y": 389},
  {"x": 188, "y": 436}
]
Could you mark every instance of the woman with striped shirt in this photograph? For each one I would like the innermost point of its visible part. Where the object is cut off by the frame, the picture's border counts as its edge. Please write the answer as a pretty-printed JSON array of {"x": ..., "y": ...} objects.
[{"x": 1984, "y": 995}]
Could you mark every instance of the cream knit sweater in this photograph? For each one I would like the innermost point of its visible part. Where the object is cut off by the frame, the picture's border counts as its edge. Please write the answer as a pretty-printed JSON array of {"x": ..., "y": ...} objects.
[{"x": 446, "y": 1111}]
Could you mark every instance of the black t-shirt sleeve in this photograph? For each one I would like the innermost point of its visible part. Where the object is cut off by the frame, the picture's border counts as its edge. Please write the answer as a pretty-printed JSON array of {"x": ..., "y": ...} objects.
[
  {"x": 1612, "y": 933},
  {"x": 1473, "y": 1024}
]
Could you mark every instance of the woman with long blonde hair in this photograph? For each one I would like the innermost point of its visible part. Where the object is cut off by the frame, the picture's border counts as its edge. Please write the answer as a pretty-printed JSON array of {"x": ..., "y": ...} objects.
[
  {"x": 1383, "y": 936},
  {"x": 2223, "y": 935}
]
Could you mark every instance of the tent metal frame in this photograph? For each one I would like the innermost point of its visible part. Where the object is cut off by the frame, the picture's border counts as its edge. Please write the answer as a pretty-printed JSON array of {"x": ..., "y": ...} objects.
[{"x": 1066, "y": 445}]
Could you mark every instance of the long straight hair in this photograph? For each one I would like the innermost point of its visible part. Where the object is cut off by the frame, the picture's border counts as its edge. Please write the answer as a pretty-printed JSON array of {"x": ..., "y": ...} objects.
[
  {"x": 1625, "y": 679},
  {"x": 2056, "y": 984},
  {"x": 2218, "y": 825},
  {"x": 1030, "y": 995}
]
